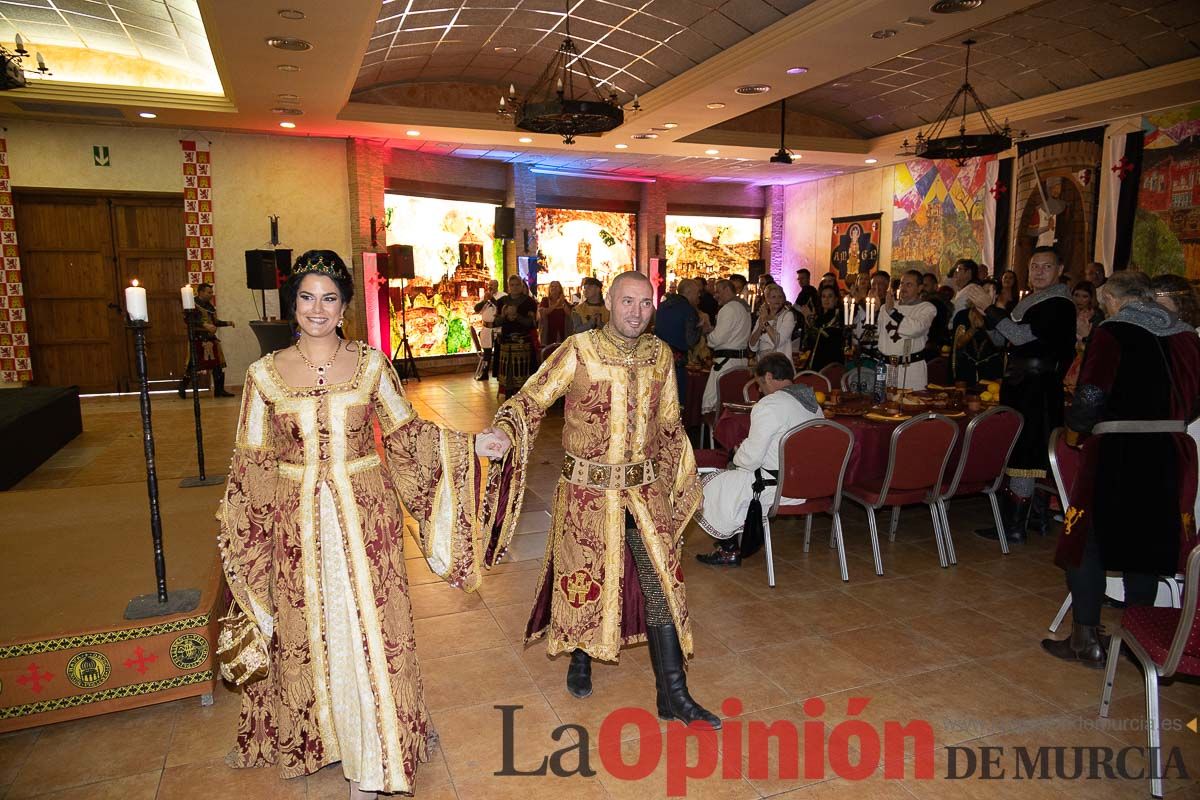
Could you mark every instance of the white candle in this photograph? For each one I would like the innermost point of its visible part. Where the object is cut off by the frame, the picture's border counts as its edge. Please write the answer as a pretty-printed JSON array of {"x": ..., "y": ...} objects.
[
  {"x": 41, "y": 61},
  {"x": 20, "y": 43},
  {"x": 870, "y": 311},
  {"x": 847, "y": 309},
  {"x": 480, "y": 292},
  {"x": 189, "y": 298},
  {"x": 135, "y": 303}
]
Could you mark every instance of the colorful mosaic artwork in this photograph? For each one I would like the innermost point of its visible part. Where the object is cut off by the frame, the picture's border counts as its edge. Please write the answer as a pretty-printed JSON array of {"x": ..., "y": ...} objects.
[
  {"x": 1166, "y": 232},
  {"x": 576, "y": 244},
  {"x": 937, "y": 214},
  {"x": 711, "y": 246}
]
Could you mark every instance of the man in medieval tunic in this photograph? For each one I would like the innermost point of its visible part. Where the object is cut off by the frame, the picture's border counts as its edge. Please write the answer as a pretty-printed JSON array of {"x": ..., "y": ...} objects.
[
  {"x": 612, "y": 574},
  {"x": 1139, "y": 386},
  {"x": 729, "y": 340},
  {"x": 1040, "y": 340},
  {"x": 754, "y": 473},
  {"x": 904, "y": 331}
]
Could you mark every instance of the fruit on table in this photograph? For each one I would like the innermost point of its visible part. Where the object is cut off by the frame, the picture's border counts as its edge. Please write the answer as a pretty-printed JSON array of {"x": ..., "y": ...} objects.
[{"x": 820, "y": 397}]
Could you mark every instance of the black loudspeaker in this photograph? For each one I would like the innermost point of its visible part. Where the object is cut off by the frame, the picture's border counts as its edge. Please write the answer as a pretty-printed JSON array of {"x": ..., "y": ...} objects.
[
  {"x": 506, "y": 223},
  {"x": 283, "y": 265},
  {"x": 400, "y": 262},
  {"x": 758, "y": 267},
  {"x": 260, "y": 270}
]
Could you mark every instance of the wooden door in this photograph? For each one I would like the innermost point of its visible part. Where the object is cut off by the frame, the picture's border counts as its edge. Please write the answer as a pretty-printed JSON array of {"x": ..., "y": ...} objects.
[
  {"x": 76, "y": 327},
  {"x": 148, "y": 236}
]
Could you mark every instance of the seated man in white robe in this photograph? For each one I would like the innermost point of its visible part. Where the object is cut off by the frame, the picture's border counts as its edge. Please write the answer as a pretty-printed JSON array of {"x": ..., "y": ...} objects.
[{"x": 727, "y": 494}]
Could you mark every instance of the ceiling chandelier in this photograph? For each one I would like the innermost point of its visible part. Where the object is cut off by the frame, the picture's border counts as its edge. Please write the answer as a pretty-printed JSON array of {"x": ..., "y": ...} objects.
[
  {"x": 12, "y": 70},
  {"x": 963, "y": 146},
  {"x": 566, "y": 99}
]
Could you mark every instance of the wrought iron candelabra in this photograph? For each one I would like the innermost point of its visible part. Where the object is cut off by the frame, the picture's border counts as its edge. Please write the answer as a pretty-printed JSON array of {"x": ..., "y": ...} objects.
[{"x": 191, "y": 317}]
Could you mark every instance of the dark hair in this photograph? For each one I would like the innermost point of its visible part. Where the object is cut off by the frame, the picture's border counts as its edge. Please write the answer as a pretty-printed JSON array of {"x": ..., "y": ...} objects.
[
  {"x": 777, "y": 365},
  {"x": 1047, "y": 249},
  {"x": 1086, "y": 286},
  {"x": 735, "y": 278},
  {"x": 970, "y": 265},
  {"x": 318, "y": 262},
  {"x": 589, "y": 281},
  {"x": 806, "y": 272},
  {"x": 770, "y": 278},
  {"x": 881, "y": 272},
  {"x": 200, "y": 287},
  {"x": 916, "y": 273},
  {"x": 831, "y": 287},
  {"x": 933, "y": 275},
  {"x": 1180, "y": 290}
]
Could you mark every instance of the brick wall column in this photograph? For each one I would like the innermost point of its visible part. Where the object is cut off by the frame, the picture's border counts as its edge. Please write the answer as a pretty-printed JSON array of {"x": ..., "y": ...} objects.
[
  {"x": 521, "y": 195},
  {"x": 652, "y": 224},
  {"x": 773, "y": 220},
  {"x": 364, "y": 169}
]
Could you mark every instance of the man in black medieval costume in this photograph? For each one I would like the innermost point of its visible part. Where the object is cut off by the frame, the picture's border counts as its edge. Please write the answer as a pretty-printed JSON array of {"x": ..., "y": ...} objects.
[
  {"x": 1040, "y": 339},
  {"x": 1132, "y": 503}
]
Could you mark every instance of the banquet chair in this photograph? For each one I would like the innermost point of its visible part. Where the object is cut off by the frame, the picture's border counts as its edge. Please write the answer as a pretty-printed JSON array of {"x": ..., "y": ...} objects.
[
  {"x": 833, "y": 373},
  {"x": 751, "y": 393},
  {"x": 815, "y": 380},
  {"x": 860, "y": 379},
  {"x": 938, "y": 370},
  {"x": 817, "y": 480},
  {"x": 1065, "y": 462},
  {"x": 917, "y": 456},
  {"x": 1166, "y": 642},
  {"x": 987, "y": 445},
  {"x": 730, "y": 389}
]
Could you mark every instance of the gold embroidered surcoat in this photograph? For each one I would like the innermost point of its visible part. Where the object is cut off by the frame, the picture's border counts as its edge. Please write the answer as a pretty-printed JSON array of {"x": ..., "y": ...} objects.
[{"x": 626, "y": 451}]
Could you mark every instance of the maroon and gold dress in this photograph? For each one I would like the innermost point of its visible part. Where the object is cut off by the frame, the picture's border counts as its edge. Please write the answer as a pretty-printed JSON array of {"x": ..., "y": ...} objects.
[{"x": 312, "y": 545}]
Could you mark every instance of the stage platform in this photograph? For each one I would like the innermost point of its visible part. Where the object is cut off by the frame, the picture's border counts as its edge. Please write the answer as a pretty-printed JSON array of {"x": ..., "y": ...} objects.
[
  {"x": 73, "y": 558},
  {"x": 35, "y": 422}
]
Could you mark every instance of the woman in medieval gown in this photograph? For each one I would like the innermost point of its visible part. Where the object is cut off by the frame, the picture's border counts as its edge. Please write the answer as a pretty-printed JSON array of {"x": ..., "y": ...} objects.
[{"x": 311, "y": 539}]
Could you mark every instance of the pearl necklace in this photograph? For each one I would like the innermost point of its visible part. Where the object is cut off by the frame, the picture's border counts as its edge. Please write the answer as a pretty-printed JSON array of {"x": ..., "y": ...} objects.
[{"x": 321, "y": 369}]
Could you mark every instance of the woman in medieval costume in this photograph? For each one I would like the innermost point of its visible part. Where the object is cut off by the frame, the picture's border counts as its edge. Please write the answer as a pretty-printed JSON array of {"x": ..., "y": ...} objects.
[{"x": 321, "y": 631}]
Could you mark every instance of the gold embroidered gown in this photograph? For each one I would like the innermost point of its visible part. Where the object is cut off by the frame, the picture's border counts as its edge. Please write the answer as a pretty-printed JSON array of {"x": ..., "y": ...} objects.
[
  {"x": 626, "y": 450},
  {"x": 311, "y": 541}
]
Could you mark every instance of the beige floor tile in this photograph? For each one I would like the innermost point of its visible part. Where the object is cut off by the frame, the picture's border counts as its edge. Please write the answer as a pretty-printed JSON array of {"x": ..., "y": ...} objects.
[
  {"x": 440, "y": 598},
  {"x": 457, "y": 633},
  {"x": 204, "y": 733},
  {"x": 475, "y": 677},
  {"x": 510, "y": 587},
  {"x": 894, "y": 651},
  {"x": 812, "y": 666},
  {"x": 216, "y": 779},
  {"x": 143, "y": 786},
  {"x": 14, "y": 751},
  {"x": 99, "y": 748}
]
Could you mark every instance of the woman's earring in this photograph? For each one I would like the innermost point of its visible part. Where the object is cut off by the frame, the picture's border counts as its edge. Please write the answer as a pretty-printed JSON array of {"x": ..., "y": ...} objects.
[{"x": 340, "y": 321}]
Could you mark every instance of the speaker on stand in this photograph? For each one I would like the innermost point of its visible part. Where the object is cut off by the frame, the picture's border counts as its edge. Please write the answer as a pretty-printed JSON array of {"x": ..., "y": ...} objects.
[
  {"x": 400, "y": 264},
  {"x": 260, "y": 274}
]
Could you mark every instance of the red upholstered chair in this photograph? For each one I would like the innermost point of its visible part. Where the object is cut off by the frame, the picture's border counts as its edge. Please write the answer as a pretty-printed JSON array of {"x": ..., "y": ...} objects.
[
  {"x": 1165, "y": 641},
  {"x": 833, "y": 373},
  {"x": 816, "y": 380},
  {"x": 751, "y": 393},
  {"x": 812, "y": 463},
  {"x": 987, "y": 446},
  {"x": 917, "y": 457},
  {"x": 731, "y": 384}
]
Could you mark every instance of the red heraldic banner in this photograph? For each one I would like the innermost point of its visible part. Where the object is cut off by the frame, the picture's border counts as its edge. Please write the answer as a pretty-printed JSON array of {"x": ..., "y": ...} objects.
[{"x": 197, "y": 211}]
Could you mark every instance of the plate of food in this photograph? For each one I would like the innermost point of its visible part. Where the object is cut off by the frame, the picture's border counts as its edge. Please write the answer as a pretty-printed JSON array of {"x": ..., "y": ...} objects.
[{"x": 890, "y": 411}]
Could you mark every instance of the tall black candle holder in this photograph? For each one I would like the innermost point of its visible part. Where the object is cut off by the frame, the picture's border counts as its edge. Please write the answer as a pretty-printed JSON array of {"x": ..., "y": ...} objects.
[
  {"x": 161, "y": 602},
  {"x": 191, "y": 317}
]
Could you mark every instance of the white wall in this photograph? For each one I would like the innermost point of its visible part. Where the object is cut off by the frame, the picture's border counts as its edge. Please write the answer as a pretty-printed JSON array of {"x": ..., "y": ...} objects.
[{"x": 302, "y": 180}]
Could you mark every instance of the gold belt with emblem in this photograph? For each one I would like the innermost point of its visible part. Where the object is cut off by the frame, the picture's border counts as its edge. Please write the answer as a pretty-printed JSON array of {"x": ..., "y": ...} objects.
[{"x": 593, "y": 475}]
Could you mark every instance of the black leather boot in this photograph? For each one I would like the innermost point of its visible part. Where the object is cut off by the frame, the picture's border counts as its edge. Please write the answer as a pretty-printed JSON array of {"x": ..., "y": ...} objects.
[
  {"x": 674, "y": 702},
  {"x": 1083, "y": 645},
  {"x": 1039, "y": 514},
  {"x": 579, "y": 674},
  {"x": 1014, "y": 513}
]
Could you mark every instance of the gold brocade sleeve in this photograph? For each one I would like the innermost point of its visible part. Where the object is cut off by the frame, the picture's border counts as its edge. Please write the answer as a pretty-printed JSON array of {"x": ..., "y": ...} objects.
[
  {"x": 436, "y": 474},
  {"x": 244, "y": 514},
  {"x": 519, "y": 418},
  {"x": 675, "y": 457}
]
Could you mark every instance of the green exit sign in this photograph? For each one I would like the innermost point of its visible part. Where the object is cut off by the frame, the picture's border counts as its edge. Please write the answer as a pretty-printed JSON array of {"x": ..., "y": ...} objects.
[{"x": 100, "y": 156}]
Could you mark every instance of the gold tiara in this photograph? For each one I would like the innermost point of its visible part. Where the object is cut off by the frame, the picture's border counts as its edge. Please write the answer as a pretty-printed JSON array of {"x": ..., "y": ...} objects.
[{"x": 319, "y": 265}]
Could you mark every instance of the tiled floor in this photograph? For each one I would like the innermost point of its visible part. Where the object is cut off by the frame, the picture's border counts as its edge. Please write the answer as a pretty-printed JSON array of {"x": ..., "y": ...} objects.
[{"x": 956, "y": 647}]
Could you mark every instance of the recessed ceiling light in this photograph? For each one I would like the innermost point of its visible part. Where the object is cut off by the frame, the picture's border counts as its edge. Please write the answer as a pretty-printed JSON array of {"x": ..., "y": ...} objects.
[
  {"x": 886, "y": 33},
  {"x": 291, "y": 13},
  {"x": 287, "y": 68},
  {"x": 504, "y": 50},
  {"x": 412, "y": 133},
  {"x": 287, "y": 124},
  {"x": 954, "y": 6},
  {"x": 711, "y": 152},
  {"x": 670, "y": 125},
  {"x": 753, "y": 88},
  {"x": 871, "y": 161},
  {"x": 288, "y": 43},
  {"x": 620, "y": 146},
  {"x": 147, "y": 114},
  {"x": 288, "y": 98},
  {"x": 644, "y": 136},
  {"x": 286, "y": 111},
  {"x": 525, "y": 140},
  {"x": 797, "y": 70},
  {"x": 715, "y": 106}
]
